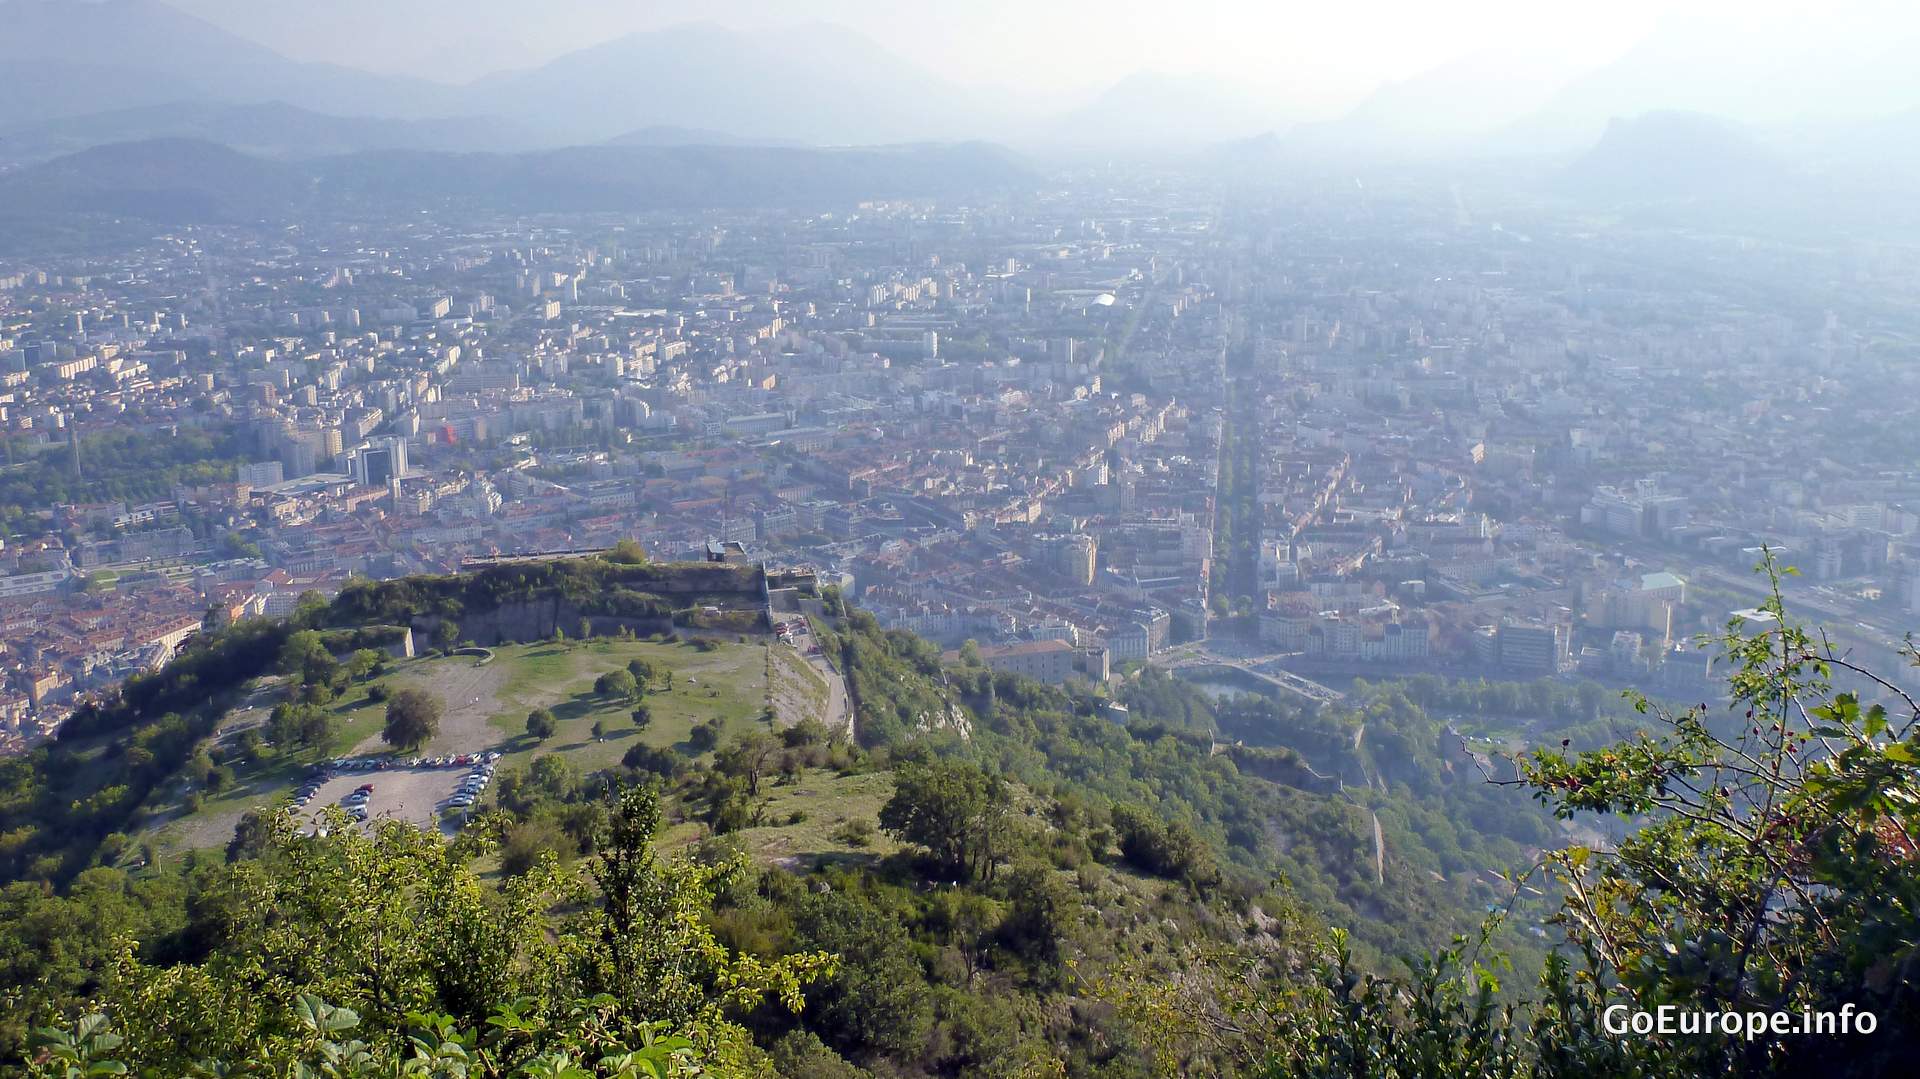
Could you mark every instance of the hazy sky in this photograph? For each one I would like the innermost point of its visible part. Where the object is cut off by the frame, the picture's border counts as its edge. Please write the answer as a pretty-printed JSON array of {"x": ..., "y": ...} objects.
[
  {"x": 1336, "y": 49},
  {"x": 1027, "y": 44}
]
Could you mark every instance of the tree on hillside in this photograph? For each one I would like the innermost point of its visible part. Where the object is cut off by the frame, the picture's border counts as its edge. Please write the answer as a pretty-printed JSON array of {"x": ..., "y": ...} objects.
[
  {"x": 876, "y": 994},
  {"x": 541, "y": 724},
  {"x": 250, "y": 836},
  {"x": 1164, "y": 848},
  {"x": 807, "y": 732},
  {"x": 618, "y": 683},
  {"x": 646, "y": 758},
  {"x": 1042, "y": 910},
  {"x": 628, "y": 553},
  {"x": 642, "y": 947},
  {"x": 365, "y": 663},
  {"x": 446, "y": 974},
  {"x": 642, "y": 671},
  {"x": 642, "y": 716},
  {"x": 955, "y": 810},
  {"x": 526, "y": 842},
  {"x": 704, "y": 736},
  {"x": 299, "y": 723},
  {"x": 303, "y": 651},
  {"x": 964, "y": 920},
  {"x": 413, "y": 717},
  {"x": 749, "y": 758}
]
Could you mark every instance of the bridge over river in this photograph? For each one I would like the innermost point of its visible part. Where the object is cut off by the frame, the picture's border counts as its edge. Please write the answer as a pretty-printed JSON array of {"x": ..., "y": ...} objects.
[{"x": 1197, "y": 661}]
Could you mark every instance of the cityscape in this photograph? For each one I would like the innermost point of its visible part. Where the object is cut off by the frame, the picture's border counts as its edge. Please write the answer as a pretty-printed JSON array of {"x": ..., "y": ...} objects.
[
  {"x": 1086, "y": 431},
  {"x": 823, "y": 539}
]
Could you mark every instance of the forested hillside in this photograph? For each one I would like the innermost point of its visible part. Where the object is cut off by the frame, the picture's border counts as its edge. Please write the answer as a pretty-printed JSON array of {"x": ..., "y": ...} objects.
[{"x": 997, "y": 878}]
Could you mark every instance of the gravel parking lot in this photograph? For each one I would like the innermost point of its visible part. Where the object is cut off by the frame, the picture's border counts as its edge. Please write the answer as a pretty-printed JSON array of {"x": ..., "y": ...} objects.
[{"x": 408, "y": 794}]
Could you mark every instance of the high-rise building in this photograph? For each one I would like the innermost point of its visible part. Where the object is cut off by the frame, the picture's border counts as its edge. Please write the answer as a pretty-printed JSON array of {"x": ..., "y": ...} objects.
[
  {"x": 299, "y": 455},
  {"x": 1077, "y": 555},
  {"x": 262, "y": 473},
  {"x": 1536, "y": 649},
  {"x": 379, "y": 462}
]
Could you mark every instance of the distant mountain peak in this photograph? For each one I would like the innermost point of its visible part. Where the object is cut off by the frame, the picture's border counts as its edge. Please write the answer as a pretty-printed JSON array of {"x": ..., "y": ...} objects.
[
  {"x": 68, "y": 58},
  {"x": 1672, "y": 154}
]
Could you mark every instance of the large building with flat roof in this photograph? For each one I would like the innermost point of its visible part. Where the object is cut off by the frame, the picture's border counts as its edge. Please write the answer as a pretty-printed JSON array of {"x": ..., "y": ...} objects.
[{"x": 1044, "y": 661}]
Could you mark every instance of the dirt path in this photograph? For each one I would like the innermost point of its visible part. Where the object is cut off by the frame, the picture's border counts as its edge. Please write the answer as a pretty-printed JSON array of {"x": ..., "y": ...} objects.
[
  {"x": 1379, "y": 851},
  {"x": 252, "y": 712},
  {"x": 838, "y": 716}
]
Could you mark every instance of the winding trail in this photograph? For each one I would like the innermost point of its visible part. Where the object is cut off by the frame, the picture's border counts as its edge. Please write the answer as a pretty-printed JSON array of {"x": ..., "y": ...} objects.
[{"x": 1379, "y": 850}]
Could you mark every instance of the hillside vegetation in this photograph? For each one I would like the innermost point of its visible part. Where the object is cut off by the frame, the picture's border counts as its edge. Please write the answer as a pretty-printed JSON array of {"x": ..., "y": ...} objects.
[
  {"x": 1000, "y": 880},
  {"x": 70, "y": 803}
]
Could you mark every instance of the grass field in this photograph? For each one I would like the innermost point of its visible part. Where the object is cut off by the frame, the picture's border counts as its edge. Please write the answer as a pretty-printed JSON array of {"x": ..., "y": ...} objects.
[
  {"x": 828, "y": 801},
  {"x": 486, "y": 706},
  {"x": 728, "y": 684}
]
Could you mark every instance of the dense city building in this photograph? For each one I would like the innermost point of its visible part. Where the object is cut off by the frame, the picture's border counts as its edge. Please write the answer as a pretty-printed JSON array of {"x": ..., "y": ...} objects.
[{"x": 1150, "y": 426}]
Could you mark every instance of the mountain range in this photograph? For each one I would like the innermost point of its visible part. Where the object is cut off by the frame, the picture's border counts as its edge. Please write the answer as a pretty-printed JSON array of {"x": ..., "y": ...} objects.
[
  {"x": 272, "y": 129},
  {"x": 65, "y": 59},
  {"x": 73, "y": 67},
  {"x": 82, "y": 75},
  {"x": 191, "y": 180},
  {"x": 1675, "y": 156},
  {"x": 815, "y": 83}
]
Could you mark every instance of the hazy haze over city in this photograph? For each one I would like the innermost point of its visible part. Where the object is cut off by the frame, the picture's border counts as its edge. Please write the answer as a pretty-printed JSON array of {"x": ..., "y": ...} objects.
[
  {"x": 1309, "y": 60},
  {"x": 1320, "y": 54},
  {"x": 1061, "y": 72}
]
